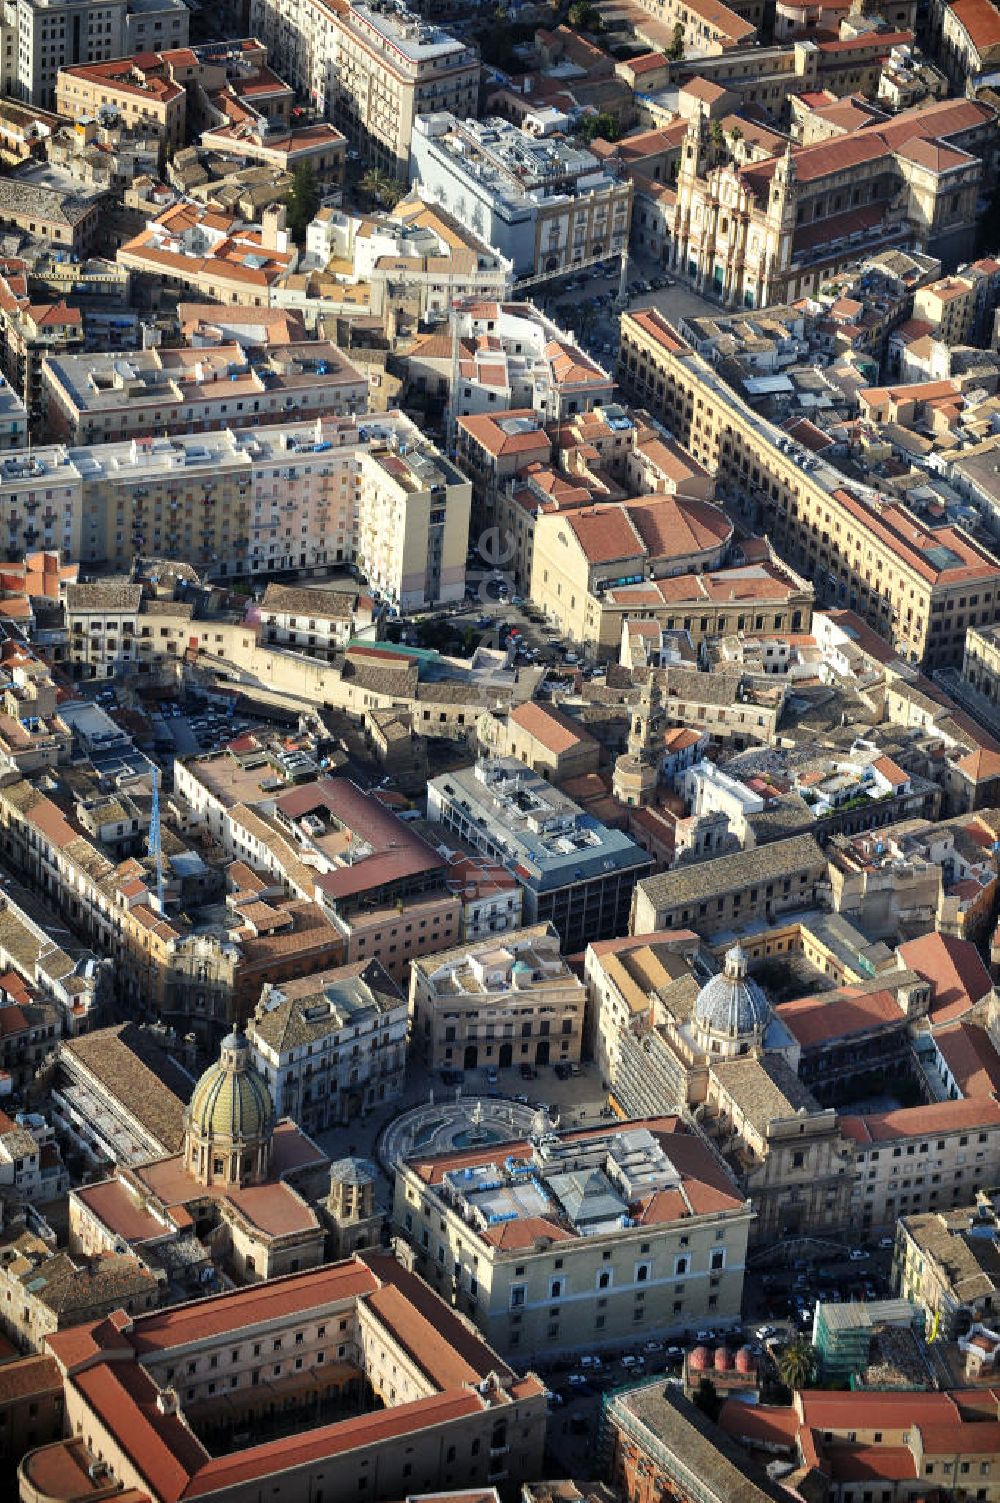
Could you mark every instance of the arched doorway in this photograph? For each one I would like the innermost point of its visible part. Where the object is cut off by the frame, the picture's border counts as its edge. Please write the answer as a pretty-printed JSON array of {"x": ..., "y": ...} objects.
[
  {"x": 542, "y": 1052},
  {"x": 506, "y": 1056},
  {"x": 471, "y": 1056}
]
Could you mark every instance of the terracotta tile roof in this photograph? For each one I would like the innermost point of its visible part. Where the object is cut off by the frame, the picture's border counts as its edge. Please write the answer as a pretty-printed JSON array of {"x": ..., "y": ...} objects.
[
  {"x": 702, "y": 88},
  {"x": 887, "y": 1410},
  {"x": 933, "y": 155},
  {"x": 647, "y": 62},
  {"x": 891, "y": 771},
  {"x": 162, "y": 1449},
  {"x": 955, "y": 970},
  {"x": 857, "y": 1463},
  {"x": 970, "y": 1055},
  {"x": 922, "y": 1121},
  {"x": 486, "y": 429},
  {"x": 277, "y": 1456},
  {"x": 27, "y": 1377},
  {"x": 655, "y": 325},
  {"x": 767, "y": 1423},
  {"x": 981, "y": 21},
  {"x": 557, "y": 732},
  {"x": 226, "y": 1314},
  {"x": 120, "y": 1211},
  {"x": 672, "y": 526},
  {"x": 606, "y": 534},
  {"x": 813, "y": 1021}
]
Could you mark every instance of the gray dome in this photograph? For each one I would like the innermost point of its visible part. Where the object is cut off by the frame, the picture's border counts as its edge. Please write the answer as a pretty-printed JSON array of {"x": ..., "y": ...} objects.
[{"x": 731, "y": 1005}]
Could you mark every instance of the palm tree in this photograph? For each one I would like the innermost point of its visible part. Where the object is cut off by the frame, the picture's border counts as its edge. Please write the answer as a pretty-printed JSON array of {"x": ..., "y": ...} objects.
[
  {"x": 797, "y": 1364},
  {"x": 735, "y": 136},
  {"x": 382, "y": 187},
  {"x": 717, "y": 136}
]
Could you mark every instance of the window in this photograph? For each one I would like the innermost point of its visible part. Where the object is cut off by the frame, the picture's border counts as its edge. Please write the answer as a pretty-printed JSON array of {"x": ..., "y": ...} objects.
[
  {"x": 681, "y": 1266},
  {"x": 642, "y": 1271},
  {"x": 718, "y": 1259},
  {"x": 517, "y": 1295}
]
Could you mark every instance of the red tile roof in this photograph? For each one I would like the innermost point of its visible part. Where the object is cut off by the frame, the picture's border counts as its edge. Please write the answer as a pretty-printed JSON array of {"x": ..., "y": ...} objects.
[
  {"x": 225, "y": 1314},
  {"x": 955, "y": 970},
  {"x": 854, "y": 1463},
  {"x": 277, "y": 1456},
  {"x": 557, "y": 732},
  {"x": 981, "y": 21},
  {"x": 922, "y": 1121},
  {"x": 813, "y": 1021},
  {"x": 970, "y": 1055}
]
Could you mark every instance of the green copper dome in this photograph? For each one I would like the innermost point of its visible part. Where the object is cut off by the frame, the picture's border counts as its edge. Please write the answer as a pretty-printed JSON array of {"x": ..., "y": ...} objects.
[{"x": 231, "y": 1100}]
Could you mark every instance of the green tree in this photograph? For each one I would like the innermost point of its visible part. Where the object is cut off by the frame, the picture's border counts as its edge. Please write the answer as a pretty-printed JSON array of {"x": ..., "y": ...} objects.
[
  {"x": 735, "y": 137},
  {"x": 602, "y": 124},
  {"x": 797, "y": 1363},
  {"x": 382, "y": 188},
  {"x": 584, "y": 16},
  {"x": 717, "y": 136},
  {"x": 675, "y": 52},
  {"x": 302, "y": 201}
]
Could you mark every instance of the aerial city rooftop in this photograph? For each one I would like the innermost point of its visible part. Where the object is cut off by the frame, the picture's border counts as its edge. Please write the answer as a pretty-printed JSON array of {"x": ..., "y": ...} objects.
[{"x": 500, "y": 751}]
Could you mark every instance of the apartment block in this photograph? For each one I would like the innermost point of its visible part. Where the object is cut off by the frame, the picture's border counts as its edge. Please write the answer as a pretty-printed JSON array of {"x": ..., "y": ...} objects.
[
  {"x": 331, "y": 1045},
  {"x": 501, "y": 1001},
  {"x": 576, "y": 873},
  {"x": 138, "y": 94},
  {"x": 921, "y": 1159},
  {"x": 255, "y": 500},
  {"x": 919, "y": 586},
  {"x": 110, "y": 397},
  {"x": 370, "y": 69},
  {"x": 592, "y": 1237},
  {"x": 546, "y": 205}
]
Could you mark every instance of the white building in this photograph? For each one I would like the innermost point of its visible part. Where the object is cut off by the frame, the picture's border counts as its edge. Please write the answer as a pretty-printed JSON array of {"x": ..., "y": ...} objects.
[
  {"x": 706, "y": 789},
  {"x": 546, "y": 205},
  {"x": 508, "y": 356},
  {"x": 331, "y": 1046}
]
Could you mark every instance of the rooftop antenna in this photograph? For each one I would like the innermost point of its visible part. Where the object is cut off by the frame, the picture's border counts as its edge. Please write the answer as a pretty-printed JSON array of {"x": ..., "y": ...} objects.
[{"x": 153, "y": 843}]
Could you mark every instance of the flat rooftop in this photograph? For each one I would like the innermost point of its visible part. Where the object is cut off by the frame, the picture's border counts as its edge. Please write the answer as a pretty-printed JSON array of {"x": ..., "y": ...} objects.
[{"x": 546, "y": 838}]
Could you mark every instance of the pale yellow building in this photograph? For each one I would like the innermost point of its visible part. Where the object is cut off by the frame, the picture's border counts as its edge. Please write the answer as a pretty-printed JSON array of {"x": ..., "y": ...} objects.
[
  {"x": 579, "y": 1240},
  {"x": 383, "y": 1382},
  {"x": 921, "y": 1159},
  {"x": 949, "y": 306},
  {"x": 142, "y": 97},
  {"x": 499, "y": 1002},
  {"x": 921, "y": 588},
  {"x": 580, "y": 555}
]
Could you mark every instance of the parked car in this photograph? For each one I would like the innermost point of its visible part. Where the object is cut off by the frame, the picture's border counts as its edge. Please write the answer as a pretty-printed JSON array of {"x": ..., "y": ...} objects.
[
  {"x": 491, "y": 1075},
  {"x": 858, "y": 1254}
]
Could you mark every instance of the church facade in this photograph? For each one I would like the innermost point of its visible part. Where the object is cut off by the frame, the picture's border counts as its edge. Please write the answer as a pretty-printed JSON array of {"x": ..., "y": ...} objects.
[{"x": 769, "y": 231}]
